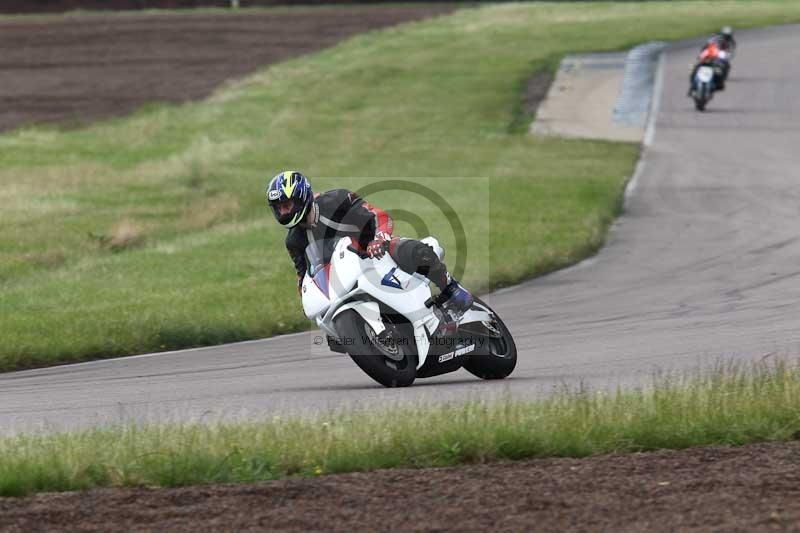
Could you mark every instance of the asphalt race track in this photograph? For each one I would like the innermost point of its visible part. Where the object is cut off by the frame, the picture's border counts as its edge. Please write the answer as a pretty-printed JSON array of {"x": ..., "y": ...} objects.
[{"x": 703, "y": 267}]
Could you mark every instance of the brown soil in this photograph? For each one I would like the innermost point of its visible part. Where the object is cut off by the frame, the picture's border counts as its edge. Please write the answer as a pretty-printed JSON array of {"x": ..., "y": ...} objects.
[
  {"x": 751, "y": 488},
  {"x": 74, "y": 69},
  {"x": 534, "y": 91}
]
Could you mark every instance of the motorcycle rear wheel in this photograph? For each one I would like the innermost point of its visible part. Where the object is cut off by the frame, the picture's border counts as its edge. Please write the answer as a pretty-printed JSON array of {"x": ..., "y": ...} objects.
[
  {"x": 389, "y": 359},
  {"x": 500, "y": 359}
]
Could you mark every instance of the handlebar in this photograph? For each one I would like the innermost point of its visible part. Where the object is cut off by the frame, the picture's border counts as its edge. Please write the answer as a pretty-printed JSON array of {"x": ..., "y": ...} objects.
[{"x": 359, "y": 253}]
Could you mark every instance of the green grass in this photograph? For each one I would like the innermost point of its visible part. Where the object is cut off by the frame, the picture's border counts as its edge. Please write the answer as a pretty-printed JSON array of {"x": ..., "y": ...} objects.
[
  {"x": 729, "y": 406},
  {"x": 150, "y": 232}
]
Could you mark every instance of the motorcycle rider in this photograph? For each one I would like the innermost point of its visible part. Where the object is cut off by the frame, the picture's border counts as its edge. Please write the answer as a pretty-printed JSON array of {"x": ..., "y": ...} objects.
[
  {"x": 727, "y": 46},
  {"x": 709, "y": 56},
  {"x": 338, "y": 213},
  {"x": 724, "y": 39}
]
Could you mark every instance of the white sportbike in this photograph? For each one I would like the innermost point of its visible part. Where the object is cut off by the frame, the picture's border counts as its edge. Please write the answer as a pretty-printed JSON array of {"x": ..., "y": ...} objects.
[{"x": 388, "y": 323}]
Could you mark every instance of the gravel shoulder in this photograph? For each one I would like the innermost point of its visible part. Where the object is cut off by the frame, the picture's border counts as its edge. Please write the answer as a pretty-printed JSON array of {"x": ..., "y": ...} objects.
[
  {"x": 581, "y": 101},
  {"x": 749, "y": 488}
]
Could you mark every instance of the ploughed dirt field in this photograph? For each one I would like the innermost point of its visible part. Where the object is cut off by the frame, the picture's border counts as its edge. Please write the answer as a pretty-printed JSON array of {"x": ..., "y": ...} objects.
[
  {"x": 751, "y": 488},
  {"x": 73, "y": 69}
]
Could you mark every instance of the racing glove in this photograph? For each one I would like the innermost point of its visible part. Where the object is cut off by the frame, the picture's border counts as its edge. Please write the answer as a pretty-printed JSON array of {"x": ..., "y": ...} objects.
[{"x": 378, "y": 246}]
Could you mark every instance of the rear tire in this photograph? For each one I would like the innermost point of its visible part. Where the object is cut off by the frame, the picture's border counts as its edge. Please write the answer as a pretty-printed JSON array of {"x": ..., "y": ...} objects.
[
  {"x": 392, "y": 363},
  {"x": 499, "y": 359}
]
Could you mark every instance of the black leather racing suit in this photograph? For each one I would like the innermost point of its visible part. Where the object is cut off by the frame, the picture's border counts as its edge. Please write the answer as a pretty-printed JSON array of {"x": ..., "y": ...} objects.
[{"x": 341, "y": 213}]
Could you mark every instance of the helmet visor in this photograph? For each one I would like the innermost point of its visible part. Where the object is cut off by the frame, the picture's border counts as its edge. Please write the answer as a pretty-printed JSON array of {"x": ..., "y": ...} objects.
[
  {"x": 289, "y": 212},
  {"x": 283, "y": 211}
]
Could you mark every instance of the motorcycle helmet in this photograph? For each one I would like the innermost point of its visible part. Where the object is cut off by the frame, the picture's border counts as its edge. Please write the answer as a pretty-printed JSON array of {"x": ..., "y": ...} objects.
[
  {"x": 289, "y": 186},
  {"x": 727, "y": 31}
]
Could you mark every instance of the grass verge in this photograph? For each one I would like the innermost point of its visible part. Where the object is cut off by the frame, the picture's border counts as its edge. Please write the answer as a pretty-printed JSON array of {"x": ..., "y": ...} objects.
[
  {"x": 149, "y": 232},
  {"x": 729, "y": 406}
]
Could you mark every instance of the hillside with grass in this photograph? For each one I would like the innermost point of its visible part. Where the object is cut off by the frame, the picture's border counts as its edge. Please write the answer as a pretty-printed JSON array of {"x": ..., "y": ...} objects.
[{"x": 151, "y": 233}]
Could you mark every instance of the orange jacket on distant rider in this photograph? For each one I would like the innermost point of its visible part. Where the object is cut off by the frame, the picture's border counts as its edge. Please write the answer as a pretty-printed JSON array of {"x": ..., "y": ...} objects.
[{"x": 709, "y": 53}]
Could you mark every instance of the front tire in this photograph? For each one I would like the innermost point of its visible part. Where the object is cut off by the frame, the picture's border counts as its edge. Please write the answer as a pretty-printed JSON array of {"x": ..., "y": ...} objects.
[
  {"x": 702, "y": 96},
  {"x": 499, "y": 358},
  {"x": 699, "y": 104},
  {"x": 389, "y": 359}
]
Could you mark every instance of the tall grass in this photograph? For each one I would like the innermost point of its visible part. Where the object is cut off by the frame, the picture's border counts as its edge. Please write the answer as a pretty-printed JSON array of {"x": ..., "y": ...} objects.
[
  {"x": 150, "y": 232},
  {"x": 731, "y": 405}
]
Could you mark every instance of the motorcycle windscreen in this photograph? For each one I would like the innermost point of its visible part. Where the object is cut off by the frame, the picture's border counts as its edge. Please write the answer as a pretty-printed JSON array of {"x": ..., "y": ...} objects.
[
  {"x": 322, "y": 279},
  {"x": 318, "y": 256}
]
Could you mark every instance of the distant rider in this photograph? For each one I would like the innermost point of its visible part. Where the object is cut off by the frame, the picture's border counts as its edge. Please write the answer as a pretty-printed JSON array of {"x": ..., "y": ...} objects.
[
  {"x": 724, "y": 39},
  {"x": 727, "y": 46},
  {"x": 709, "y": 56},
  {"x": 340, "y": 213}
]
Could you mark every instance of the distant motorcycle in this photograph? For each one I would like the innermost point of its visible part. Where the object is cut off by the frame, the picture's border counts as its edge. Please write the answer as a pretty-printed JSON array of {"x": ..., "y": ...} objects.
[
  {"x": 709, "y": 75},
  {"x": 386, "y": 320},
  {"x": 703, "y": 86}
]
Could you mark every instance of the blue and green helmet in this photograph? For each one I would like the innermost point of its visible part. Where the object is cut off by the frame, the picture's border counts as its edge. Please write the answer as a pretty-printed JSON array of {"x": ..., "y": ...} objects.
[{"x": 286, "y": 186}]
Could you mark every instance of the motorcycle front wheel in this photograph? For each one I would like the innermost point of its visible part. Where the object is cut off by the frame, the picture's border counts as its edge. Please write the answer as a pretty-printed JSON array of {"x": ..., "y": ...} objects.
[
  {"x": 699, "y": 104},
  {"x": 388, "y": 358},
  {"x": 497, "y": 358},
  {"x": 701, "y": 96}
]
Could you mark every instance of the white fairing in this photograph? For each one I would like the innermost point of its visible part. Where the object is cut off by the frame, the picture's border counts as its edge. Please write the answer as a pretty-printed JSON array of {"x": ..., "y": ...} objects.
[
  {"x": 476, "y": 314},
  {"x": 403, "y": 292},
  {"x": 345, "y": 269},
  {"x": 705, "y": 74},
  {"x": 372, "y": 281},
  {"x": 314, "y": 301},
  {"x": 369, "y": 311}
]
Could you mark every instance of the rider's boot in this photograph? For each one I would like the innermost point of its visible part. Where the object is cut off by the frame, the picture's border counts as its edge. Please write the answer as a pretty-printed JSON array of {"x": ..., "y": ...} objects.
[
  {"x": 456, "y": 298},
  {"x": 454, "y": 301}
]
